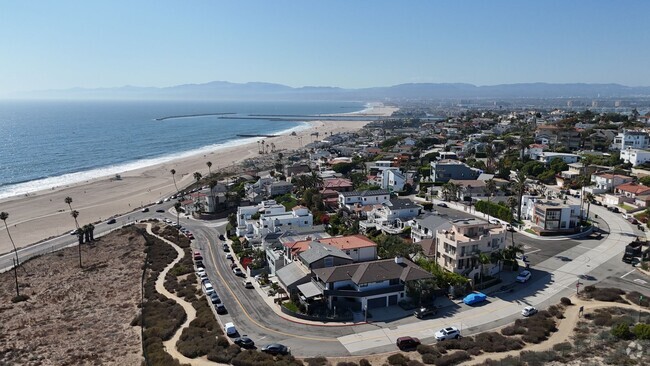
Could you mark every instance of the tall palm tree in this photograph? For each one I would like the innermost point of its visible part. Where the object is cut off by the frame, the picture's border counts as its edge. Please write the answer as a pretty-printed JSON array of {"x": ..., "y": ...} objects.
[
  {"x": 209, "y": 164},
  {"x": 197, "y": 176},
  {"x": 75, "y": 214},
  {"x": 512, "y": 203},
  {"x": 490, "y": 189},
  {"x": 490, "y": 154},
  {"x": 4, "y": 216},
  {"x": 173, "y": 171},
  {"x": 519, "y": 187},
  {"x": 178, "y": 206},
  {"x": 80, "y": 233},
  {"x": 482, "y": 259},
  {"x": 589, "y": 197}
]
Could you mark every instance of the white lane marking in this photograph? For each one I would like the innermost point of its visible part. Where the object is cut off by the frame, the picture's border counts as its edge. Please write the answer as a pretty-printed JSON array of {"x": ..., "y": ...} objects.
[
  {"x": 638, "y": 280},
  {"x": 623, "y": 276}
]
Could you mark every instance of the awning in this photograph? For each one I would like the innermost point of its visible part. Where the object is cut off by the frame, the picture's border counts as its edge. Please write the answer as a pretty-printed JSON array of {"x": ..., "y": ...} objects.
[{"x": 309, "y": 290}]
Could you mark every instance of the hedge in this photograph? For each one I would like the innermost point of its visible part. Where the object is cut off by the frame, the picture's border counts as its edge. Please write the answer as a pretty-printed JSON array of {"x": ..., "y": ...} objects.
[{"x": 494, "y": 210}]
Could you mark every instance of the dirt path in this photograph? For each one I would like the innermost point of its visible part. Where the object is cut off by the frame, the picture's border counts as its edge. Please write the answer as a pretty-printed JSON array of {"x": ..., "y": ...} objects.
[
  {"x": 170, "y": 345},
  {"x": 563, "y": 334}
]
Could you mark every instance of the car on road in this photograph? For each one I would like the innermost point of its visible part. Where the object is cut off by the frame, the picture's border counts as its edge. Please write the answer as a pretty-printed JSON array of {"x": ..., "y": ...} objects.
[
  {"x": 160, "y": 210},
  {"x": 111, "y": 221},
  {"x": 159, "y": 202},
  {"x": 244, "y": 342},
  {"x": 425, "y": 311},
  {"x": 230, "y": 329},
  {"x": 275, "y": 349},
  {"x": 528, "y": 311},
  {"x": 200, "y": 271},
  {"x": 209, "y": 290},
  {"x": 196, "y": 254},
  {"x": 73, "y": 232},
  {"x": 442, "y": 204},
  {"x": 203, "y": 276},
  {"x": 214, "y": 298},
  {"x": 238, "y": 272},
  {"x": 220, "y": 308},
  {"x": 228, "y": 256},
  {"x": 406, "y": 343},
  {"x": 226, "y": 248},
  {"x": 221, "y": 237},
  {"x": 523, "y": 277},
  {"x": 474, "y": 298},
  {"x": 494, "y": 222},
  {"x": 248, "y": 283},
  {"x": 613, "y": 209},
  {"x": 447, "y": 333},
  {"x": 167, "y": 199},
  {"x": 509, "y": 227},
  {"x": 146, "y": 209}
]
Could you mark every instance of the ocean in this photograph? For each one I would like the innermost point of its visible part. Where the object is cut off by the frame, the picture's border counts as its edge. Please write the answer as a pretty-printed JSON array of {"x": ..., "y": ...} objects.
[{"x": 45, "y": 144}]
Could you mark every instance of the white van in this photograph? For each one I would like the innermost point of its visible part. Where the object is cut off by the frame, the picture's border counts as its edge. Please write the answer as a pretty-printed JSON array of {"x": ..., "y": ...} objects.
[{"x": 207, "y": 287}]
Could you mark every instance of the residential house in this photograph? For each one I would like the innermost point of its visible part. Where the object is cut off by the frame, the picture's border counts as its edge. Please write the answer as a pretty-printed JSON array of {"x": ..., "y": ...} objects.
[
  {"x": 425, "y": 227},
  {"x": 367, "y": 285},
  {"x": 337, "y": 184},
  {"x": 631, "y": 139},
  {"x": 444, "y": 170},
  {"x": 635, "y": 156},
  {"x": 253, "y": 222},
  {"x": 549, "y": 215},
  {"x": 605, "y": 182},
  {"x": 278, "y": 188},
  {"x": 457, "y": 248},
  {"x": 569, "y": 138},
  {"x": 392, "y": 217},
  {"x": 546, "y": 157},
  {"x": 363, "y": 198},
  {"x": 358, "y": 247},
  {"x": 392, "y": 180},
  {"x": 296, "y": 169},
  {"x": 535, "y": 150},
  {"x": 632, "y": 190}
]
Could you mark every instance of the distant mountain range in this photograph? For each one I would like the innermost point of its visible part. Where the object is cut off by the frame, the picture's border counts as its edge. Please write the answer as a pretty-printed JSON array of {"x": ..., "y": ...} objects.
[{"x": 223, "y": 90}]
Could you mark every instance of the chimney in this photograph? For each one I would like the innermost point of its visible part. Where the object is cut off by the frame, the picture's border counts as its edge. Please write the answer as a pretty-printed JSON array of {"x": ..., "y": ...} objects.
[{"x": 399, "y": 260}]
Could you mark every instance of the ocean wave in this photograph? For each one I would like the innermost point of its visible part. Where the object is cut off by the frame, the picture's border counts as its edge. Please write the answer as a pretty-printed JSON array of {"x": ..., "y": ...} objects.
[{"x": 64, "y": 180}]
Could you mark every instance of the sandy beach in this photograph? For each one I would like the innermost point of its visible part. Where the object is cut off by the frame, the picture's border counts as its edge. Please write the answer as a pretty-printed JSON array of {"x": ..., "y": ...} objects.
[{"x": 44, "y": 214}]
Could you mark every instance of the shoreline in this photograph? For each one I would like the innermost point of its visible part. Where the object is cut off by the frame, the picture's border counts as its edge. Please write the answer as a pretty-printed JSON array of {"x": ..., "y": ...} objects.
[{"x": 43, "y": 213}]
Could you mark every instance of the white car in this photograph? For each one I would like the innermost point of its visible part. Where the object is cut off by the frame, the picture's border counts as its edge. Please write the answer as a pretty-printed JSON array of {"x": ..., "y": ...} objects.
[
  {"x": 200, "y": 271},
  {"x": 528, "y": 311},
  {"x": 230, "y": 329},
  {"x": 447, "y": 333},
  {"x": 523, "y": 276}
]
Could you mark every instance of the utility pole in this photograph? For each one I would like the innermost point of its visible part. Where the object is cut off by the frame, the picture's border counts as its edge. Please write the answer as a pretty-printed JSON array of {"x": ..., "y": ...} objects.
[{"x": 16, "y": 275}]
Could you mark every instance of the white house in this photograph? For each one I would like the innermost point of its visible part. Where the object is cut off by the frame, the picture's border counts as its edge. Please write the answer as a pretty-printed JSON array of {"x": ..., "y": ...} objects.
[
  {"x": 550, "y": 215},
  {"x": 631, "y": 139},
  {"x": 392, "y": 179},
  {"x": 635, "y": 156},
  {"x": 393, "y": 217},
  {"x": 605, "y": 182},
  {"x": 547, "y": 157},
  {"x": 254, "y": 222},
  {"x": 535, "y": 150},
  {"x": 364, "y": 198}
]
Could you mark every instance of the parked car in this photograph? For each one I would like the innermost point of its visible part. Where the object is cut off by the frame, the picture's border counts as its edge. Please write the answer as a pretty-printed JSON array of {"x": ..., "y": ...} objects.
[
  {"x": 207, "y": 287},
  {"x": 73, "y": 232},
  {"x": 159, "y": 201},
  {"x": 425, "y": 311},
  {"x": 230, "y": 329},
  {"x": 509, "y": 227},
  {"x": 523, "y": 276},
  {"x": 244, "y": 342},
  {"x": 203, "y": 276},
  {"x": 494, "y": 222},
  {"x": 221, "y": 308},
  {"x": 111, "y": 221},
  {"x": 442, "y": 204},
  {"x": 200, "y": 272},
  {"x": 447, "y": 333},
  {"x": 199, "y": 264},
  {"x": 146, "y": 209},
  {"x": 275, "y": 349},
  {"x": 528, "y": 311},
  {"x": 214, "y": 298},
  {"x": 221, "y": 237},
  {"x": 238, "y": 272},
  {"x": 196, "y": 254},
  {"x": 160, "y": 210},
  {"x": 248, "y": 283},
  {"x": 406, "y": 343},
  {"x": 474, "y": 298},
  {"x": 228, "y": 256}
]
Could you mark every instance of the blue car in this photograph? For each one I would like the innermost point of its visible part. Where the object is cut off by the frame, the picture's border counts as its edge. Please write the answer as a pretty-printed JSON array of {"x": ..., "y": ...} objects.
[{"x": 474, "y": 298}]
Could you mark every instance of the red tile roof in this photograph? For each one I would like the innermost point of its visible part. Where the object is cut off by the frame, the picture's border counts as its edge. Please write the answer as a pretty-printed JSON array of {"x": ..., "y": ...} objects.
[
  {"x": 340, "y": 242},
  {"x": 633, "y": 188}
]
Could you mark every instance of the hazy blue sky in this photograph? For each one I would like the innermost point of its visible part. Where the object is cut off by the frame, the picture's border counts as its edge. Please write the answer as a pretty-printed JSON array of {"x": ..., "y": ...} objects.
[{"x": 63, "y": 44}]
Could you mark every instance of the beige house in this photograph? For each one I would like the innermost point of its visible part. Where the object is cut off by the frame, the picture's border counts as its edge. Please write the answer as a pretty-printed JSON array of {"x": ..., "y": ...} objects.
[{"x": 457, "y": 248}]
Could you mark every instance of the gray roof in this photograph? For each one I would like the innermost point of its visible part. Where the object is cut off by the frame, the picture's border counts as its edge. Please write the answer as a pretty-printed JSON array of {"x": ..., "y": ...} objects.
[
  {"x": 281, "y": 183},
  {"x": 318, "y": 251},
  {"x": 365, "y": 193},
  {"x": 309, "y": 290},
  {"x": 291, "y": 274},
  {"x": 397, "y": 204},
  {"x": 367, "y": 272},
  {"x": 434, "y": 222}
]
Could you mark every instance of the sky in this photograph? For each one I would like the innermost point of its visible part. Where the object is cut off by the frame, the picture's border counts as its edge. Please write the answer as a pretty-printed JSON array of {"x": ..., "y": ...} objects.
[{"x": 62, "y": 44}]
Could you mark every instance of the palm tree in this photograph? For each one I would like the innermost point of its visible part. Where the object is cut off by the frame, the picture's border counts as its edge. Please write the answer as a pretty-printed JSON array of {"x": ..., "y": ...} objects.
[
  {"x": 4, "y": 216},
  {"x": 589, "y": 197},
  {"x": 520, "y": 187},
  {"x": 490, "y": 189},
  {"x": 209, "y": 164},
  {"x": 178, "y": 206},
  {"x": 173, "y": 171},
  {"x": 512, "y": 203},
  {"x": 482, "y": 259},
  {"x": 490, "y": 154},
  {"x": 197, "y": 176},
  {"x": 75, "y": 214},
  {"x": 91, "y": 229},
  {"x": 316, "y": 180}
]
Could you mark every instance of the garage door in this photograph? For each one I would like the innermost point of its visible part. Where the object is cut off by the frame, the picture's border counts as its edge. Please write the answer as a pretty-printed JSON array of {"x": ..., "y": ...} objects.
[
  {"x": 392, "y": 300},
  {"x": 379, "y": 302}
]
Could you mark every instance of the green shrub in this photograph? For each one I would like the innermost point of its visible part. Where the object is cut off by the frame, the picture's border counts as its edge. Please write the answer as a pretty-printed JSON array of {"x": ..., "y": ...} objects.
[
  {"x": 494, "y": 210},
  {"x": 430, "y": 358},
  {"x": 565, "y": 301},
  {"x": 641, "y": 331},
  {"x": 316, "y": 361},
  {"x": 621, "y": 331},
  {"x": 424, "y": 349},
  {"x": 512, "y": 330},
  {"x": 364, "y": 362}
]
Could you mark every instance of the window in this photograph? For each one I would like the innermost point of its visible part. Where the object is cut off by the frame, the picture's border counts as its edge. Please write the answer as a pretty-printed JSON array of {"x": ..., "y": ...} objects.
[{"x": 328, "y": 262}]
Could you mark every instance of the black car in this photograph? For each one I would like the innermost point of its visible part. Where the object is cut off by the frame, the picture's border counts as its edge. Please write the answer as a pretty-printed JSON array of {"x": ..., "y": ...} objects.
[
  {"x": 214, "y": 298},
  {"x": 146, "y": 209},
  {"x": 160, "y": 210},
  {"x": 244, "y": 342},
  {"x": 275, "y": 349},
  {"x": 221, "y": 237},
  {"x": 442, "y": 205},
  {"x": 221, "y": 308},
  {"x": 111, "y": 221},
  {"x": 425, "y": 311}
]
